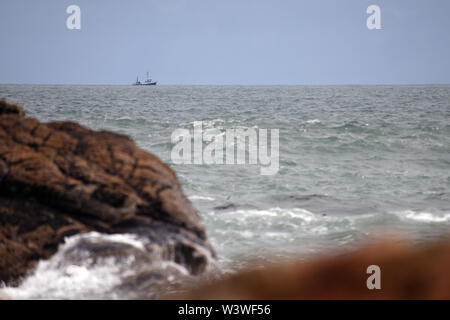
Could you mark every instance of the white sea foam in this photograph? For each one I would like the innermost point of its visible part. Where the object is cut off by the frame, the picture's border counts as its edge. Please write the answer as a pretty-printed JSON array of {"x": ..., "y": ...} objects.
[
  {"x": 423, "y": 216},
  {"x": 297, "y": 213},
  {"x": 62, "y": 278},
  {"x": 194, "y": 197},
  {"x": 72, "y": 273},
  {"x": 96, "y": 237},
  {"x": 322, "y": 229},
  {"x": 124, "y": 118}
]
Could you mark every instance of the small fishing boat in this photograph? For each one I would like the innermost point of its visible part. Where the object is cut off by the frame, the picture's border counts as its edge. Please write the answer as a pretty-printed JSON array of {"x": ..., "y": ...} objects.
[{"x": 148, "y": 82}]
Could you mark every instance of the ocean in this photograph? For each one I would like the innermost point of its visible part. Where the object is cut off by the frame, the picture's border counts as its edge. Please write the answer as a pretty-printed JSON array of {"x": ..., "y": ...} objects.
[{"x": 355, "y": 163}]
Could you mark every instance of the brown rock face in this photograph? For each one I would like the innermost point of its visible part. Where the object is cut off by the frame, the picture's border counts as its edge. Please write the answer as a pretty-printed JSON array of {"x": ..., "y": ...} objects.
[
  {"x": 405, "y": 273},
  {"x": 59, "y": 179}
]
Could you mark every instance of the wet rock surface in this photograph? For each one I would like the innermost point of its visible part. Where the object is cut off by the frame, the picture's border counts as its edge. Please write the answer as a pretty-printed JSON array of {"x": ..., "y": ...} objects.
[{"x": 60, "y": 179}]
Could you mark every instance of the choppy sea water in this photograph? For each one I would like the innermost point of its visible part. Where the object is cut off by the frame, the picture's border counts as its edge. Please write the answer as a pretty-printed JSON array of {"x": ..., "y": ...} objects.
[{"x": 356, "y": 162}]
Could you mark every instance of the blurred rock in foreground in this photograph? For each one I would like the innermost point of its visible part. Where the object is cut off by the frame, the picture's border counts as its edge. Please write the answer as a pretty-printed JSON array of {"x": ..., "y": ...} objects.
[
  {"x": 60, "y": 179},
  {"x": 406, "y": 273}
]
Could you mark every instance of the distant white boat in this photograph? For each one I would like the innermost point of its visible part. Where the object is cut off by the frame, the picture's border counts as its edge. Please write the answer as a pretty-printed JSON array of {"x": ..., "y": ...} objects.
[{"x": 147, "y": 82}]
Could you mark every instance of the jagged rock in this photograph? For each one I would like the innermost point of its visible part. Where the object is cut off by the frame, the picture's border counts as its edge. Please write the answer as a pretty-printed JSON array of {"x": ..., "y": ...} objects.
[
  {"x": 406, "y": 272},
  {"x": 59, "y": 179}
]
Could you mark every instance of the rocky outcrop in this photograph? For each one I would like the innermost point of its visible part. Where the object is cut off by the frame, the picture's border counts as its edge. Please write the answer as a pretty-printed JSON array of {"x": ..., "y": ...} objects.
[
  {"x": 59, "y": 179},
  {"x": 406, "y": 272}
]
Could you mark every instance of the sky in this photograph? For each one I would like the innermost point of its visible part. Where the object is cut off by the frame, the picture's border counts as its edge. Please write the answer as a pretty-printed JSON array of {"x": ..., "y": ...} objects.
[{"x": 228, "y": 42}]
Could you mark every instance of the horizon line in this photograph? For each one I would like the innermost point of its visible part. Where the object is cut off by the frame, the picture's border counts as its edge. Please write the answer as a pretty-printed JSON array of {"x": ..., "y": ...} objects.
[{"x": 240, "y": 85}]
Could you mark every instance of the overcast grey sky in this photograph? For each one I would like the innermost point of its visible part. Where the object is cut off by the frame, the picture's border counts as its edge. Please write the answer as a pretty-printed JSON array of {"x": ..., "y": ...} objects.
[{"x": 225, "y": 42}]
